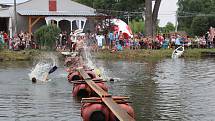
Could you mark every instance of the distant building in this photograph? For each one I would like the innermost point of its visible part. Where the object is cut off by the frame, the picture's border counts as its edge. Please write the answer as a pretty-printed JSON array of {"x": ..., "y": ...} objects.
[{"x": 66, "y": 14}]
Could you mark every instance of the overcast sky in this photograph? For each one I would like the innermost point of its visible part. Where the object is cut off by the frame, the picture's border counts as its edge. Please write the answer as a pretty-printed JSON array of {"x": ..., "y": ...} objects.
[{"x": 166, "y": 14}]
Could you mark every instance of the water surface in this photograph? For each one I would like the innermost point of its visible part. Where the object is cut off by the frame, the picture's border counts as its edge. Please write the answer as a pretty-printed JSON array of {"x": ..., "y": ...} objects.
[
  {"x": 20, "y": 100},
  {"x": 177, "y": 90}
]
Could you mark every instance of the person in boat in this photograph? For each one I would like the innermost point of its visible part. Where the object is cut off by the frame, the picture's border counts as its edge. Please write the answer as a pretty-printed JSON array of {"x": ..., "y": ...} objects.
[{"x": 34, "y": 79}]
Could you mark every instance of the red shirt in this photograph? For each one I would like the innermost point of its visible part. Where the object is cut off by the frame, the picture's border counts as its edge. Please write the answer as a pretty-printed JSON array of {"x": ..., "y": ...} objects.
[
  {"x": 5, "y": 37},
  {"x": 121, "y": 37}
]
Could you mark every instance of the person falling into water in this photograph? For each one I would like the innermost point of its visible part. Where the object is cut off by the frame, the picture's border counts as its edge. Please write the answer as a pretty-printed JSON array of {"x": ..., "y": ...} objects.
[{"x": 34, "y": 79}]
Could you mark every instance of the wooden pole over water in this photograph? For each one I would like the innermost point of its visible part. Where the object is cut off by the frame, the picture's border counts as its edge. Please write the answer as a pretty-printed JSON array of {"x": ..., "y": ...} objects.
[{"x": 121, "y": 114}]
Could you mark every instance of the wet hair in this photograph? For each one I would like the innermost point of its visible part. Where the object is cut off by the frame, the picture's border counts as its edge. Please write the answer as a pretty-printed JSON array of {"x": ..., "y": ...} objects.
[
  {"x": 34, "y": 80},
  {"x": 112, "y": 80}
]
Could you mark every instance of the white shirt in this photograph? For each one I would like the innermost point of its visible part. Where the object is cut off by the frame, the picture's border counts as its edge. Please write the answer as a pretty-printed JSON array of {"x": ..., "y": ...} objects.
[{"x": 99, "y": 39}]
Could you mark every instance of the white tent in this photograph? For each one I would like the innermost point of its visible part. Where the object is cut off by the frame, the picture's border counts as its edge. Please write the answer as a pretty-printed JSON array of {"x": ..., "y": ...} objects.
[{"x": 122, "y": 26}]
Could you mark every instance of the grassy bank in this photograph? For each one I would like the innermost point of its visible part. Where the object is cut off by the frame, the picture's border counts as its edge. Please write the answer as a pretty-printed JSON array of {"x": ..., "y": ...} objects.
[
  {"x": 145, "y": 55},
  {"x": 25, "y": 55},
  {"x": 149, "y": 55}
]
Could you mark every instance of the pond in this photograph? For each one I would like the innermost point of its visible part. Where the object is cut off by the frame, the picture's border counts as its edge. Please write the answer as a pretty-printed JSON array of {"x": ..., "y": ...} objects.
[{"x": 177, "y": 90}]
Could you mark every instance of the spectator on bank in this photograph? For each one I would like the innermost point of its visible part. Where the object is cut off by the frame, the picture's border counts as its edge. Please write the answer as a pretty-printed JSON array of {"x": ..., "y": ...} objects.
[
  {"x": 117, "y": 47},
  {"x": 141, "y": 43},
  {"x": 110, "y": 39},
  {"x": 16, "y": 42},
  {"x": 165, "y": 44},
  {"x": 100, "y": 39},
  {"x": 121, "y": 38},
  {"x": 116, "y": 37},
  {"x": 6, "y": 39},
  {"x": 64, "y": 39},
  {"x": 73, "y": 39},
  {"x": 202, "y": 42},
  {"x": 132, "y": 43},
  {"x": 1, "y": 38},
  {"x": 136, "y": 42},
  {"x": 177, "y": 42}
]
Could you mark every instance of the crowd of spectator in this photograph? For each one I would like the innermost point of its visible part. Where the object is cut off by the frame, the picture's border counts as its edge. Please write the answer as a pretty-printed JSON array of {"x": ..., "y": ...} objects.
[
  {"x": 120, "y": 41},
  {"x": 113, "y": 41},
  {"x": 20, "y": 41}
]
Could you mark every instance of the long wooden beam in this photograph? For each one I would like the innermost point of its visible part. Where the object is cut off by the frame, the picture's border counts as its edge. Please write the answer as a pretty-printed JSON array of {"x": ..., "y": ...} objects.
[
  {"x": 29, "y": 25},
  {"x": 121, "y": 114},
  {"x": 35, "y": 21}
]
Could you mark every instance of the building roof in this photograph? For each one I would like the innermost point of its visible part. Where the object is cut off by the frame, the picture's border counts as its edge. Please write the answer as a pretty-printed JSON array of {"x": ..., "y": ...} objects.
[
  {"x": 64, "y": 7},
  {"x": 57, "y": 13},
  {"x": 5, "y": 13}
]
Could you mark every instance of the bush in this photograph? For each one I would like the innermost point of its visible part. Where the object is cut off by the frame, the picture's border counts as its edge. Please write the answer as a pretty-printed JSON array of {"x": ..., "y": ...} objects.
[
  {"x": 2, "y": 46},
  {"x": 199, "y": 25},
  {"x": 137, "y": 26},
  {"x": 46, "y": 36}
]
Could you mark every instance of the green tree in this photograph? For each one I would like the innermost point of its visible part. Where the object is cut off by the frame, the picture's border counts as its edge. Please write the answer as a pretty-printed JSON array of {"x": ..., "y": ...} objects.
[
  {"x": 121, "y": 5},
  {"x": 199, "y": 25},
  {"x": 121, "y": 8},
  {"x": 190, "y": 9},
  {"x": 170, "y": 27},
  {"x": 137, "y": 26},
  {"x": 46, "y": 36},
  {"x": 118, "y": 8},
  {"x": 167, "y": 29}
]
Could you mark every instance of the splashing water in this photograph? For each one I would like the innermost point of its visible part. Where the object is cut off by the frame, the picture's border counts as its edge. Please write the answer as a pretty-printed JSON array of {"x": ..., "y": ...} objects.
[
  {"x": 46, "y": 62},
  {"x": 91, "y": 64}
]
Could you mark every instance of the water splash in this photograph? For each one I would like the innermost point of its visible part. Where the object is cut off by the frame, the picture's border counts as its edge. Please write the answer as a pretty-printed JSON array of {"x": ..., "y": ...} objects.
[
  {"x": 42, "y": 66},
  {"x": 90, "y": 62}
]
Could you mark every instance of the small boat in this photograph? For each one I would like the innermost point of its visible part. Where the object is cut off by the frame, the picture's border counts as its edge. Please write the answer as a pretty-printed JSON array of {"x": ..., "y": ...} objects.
[{"x": 178, "y": 52}]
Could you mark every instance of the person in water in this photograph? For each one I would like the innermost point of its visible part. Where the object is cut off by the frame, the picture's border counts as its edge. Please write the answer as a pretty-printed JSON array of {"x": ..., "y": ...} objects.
[{"x": 34, "y": 79}]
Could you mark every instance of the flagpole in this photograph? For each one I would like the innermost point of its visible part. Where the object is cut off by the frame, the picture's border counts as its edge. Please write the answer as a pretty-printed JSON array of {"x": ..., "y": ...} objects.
[{"x": 15, "y": 18}]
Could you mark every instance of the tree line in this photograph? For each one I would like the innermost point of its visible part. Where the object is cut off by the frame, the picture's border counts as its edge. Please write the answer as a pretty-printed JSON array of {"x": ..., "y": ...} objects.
[
  {"x": 196, "y": 16},
  {"x": 123, "y": 7}
]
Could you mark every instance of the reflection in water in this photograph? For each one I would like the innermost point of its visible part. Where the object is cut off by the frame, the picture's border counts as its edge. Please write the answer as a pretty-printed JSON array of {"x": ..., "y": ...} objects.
[
  {"x": 177, "y": 90},
  {"x": 169, "y": 90},
  {"x": 190, "y": 87}
]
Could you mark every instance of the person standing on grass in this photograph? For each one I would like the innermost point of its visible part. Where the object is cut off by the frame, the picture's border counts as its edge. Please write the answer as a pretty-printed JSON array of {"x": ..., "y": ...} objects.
[
  {"x": 111, "y": 39},
  {"x": 6, "y": 39},
  {"x": 1, "y": 38},
  {"x": 121, "y": 38}
]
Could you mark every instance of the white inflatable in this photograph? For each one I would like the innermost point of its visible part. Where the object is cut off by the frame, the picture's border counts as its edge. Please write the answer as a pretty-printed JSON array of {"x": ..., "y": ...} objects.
[
  {"x": 178, "y": 52},
  {"x": 122, "y": 26}
]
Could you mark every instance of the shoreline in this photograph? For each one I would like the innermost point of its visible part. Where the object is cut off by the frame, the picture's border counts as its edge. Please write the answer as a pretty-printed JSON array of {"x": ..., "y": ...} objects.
[
  {"x": 151, "y": 55},
  {"x": 132, "y": 55},
  {"x": 24, "y": 55}
]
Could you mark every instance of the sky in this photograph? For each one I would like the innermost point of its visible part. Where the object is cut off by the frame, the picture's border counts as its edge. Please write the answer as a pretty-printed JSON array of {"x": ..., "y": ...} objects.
[{"x": 166, "y": 14}]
